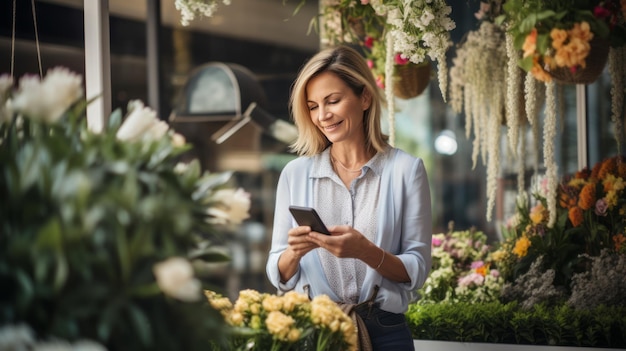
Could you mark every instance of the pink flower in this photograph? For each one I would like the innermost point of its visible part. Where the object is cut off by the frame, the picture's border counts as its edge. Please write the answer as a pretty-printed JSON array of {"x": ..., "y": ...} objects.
[
  {"x": 365, "y": 2},
  {"x": 380, "y": 81},
  {"x": 436, "y": 241},
  {"x": 494, "y": 273},
  {"x": 477, "y": 264},
  {"x": 370, "y": 64},
  {"x": 369, "y": 42},
  {"x": 471, "y": 279},
  {"x": 601, "y": 12},
  {"x": 400, "y": 60}
]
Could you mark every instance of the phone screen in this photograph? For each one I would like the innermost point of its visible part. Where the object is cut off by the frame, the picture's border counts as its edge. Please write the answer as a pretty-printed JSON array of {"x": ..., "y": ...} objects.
[{"x": 308, "y": 216}]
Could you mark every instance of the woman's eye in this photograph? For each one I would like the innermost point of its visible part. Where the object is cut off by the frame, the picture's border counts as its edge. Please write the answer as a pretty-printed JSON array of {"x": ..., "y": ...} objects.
[
  {"x": 311, "y": 108},
  {"x": 332, "y": 102}
]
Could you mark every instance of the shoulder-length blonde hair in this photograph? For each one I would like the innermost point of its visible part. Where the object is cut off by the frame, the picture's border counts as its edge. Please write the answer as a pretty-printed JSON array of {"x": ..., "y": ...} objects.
[{"x": 350, "y": 67}]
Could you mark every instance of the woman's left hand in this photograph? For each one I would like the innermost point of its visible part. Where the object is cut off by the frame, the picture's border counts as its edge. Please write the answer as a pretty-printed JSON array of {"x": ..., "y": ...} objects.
[{"x": 343, "y": 241}]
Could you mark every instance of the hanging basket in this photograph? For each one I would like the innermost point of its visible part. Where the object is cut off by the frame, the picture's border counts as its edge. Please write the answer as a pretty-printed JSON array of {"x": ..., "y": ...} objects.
[
  {"x": 411, "y": 80},
  {"x": 596, "y": 60}
]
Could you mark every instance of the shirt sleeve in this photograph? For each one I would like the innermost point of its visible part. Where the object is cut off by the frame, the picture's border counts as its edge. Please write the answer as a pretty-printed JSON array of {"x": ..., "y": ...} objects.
[
  {"x": 282, "y": 224},
  {"x": 417, "y": 227}
]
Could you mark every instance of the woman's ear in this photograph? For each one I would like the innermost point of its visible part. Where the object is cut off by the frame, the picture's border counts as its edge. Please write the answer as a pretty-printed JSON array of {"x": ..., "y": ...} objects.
[{"x": 366, "y": 99}]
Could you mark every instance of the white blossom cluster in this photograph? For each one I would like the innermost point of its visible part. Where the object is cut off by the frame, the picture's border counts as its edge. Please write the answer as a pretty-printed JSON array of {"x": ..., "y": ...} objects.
[
  {"x": 420, "y": 29},
  {"x": 189, "y": 9}
]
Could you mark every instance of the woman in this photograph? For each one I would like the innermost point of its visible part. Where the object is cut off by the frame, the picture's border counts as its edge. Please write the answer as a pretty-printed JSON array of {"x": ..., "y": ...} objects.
[{"x": 374, "y": 199}]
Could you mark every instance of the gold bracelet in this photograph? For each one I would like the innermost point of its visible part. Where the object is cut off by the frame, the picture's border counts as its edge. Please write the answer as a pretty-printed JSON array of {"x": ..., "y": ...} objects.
[{"x": 382, "y": 260}]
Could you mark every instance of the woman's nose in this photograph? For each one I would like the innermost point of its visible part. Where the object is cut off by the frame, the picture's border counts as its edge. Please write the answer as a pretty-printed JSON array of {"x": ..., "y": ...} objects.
[{"x": 324, "y": 114}]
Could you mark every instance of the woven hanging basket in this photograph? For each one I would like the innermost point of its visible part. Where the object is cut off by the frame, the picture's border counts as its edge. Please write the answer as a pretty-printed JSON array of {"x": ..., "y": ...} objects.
[
  {"x": 411, "y": 80},
  {"x": 595, "y": 62}
]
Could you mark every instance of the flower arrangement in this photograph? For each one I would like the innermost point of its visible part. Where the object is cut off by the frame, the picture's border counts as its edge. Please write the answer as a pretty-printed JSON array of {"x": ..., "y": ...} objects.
[
  {"x": 289, "y": 322},
  {"x": 590, "y": 220},
  {"x": 101, "y": 231},
  {"x": 462, "y": 269},
  {"x": 189, "y": 9},
  {"x": 560, "y": 34},
  {"x": 409, "y": 32}
]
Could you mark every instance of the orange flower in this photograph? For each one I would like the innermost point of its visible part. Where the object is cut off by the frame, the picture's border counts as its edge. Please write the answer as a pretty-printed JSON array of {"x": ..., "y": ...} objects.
[
  {"x": 575, "y": 215},
  {"x": 581, "y": 31},
  {"x": 559, "y": 36},
  {"x": 521, "y": 247},
  {"x": 583, "y": 173},
  {"x": 619, "y": 239},
  {"x": 530, "y": 43},
  {"x": 482, "y": 270},
  {"x": 587, "y": 198},
  {"x": 536, "y": 213},
  {"x": 539, "y": 73},
  {"x": 609, "y": 166}
]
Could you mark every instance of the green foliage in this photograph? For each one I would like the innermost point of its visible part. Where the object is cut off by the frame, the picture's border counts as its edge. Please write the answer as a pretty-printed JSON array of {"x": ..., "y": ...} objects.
[
  {"x": 85, "y": 217},
  {"x": 508, "y": 323}
]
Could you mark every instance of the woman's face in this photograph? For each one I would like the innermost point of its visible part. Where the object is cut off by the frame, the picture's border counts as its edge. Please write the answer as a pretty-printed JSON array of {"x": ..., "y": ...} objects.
[{"x": 335, "y": 109}]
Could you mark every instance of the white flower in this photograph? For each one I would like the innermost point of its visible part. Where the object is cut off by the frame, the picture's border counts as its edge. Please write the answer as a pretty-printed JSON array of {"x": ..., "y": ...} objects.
[
  {"x": 232, "y": 207},
  {"x": 49, "y": 98},
  {"x": 175, "y": 277},
  {"x": 190, "y": 8},
  {"x": 178, "y": 140},
  {"x": 141, "y": 122},
  {"x": 16, "y": 337}
]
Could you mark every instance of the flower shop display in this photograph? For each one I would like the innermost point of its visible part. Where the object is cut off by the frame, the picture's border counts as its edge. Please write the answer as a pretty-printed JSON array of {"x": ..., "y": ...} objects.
[
  {"x": 590, "y": 220},
  {"x": 264, "y": 321},
  {"x": 101, "y": 232},
  {"x": 559, "y": 285},
  {"x": 462, "y": 269}
]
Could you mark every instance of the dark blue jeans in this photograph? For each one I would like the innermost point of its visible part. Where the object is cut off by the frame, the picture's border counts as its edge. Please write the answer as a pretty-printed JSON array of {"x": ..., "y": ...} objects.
[{"x": 388, "y": 331}]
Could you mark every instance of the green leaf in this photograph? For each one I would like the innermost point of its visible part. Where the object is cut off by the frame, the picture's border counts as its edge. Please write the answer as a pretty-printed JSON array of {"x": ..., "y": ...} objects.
[
  {"x": 141, "y": 324},
  {"x": 115, "y": 120}
]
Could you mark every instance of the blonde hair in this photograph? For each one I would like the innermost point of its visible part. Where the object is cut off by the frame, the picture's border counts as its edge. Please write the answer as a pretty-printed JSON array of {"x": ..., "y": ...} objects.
[{"x": 350, "y": 67}]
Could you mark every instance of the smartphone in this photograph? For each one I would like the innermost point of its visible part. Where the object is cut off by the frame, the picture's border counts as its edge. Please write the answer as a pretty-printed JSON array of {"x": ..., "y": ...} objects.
[{"x": 308, "y": 216}]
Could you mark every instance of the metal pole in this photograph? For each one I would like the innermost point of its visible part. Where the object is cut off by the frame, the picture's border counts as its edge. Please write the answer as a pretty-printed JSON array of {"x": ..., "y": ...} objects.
[
  {"x": 581, "y": 122},
  {"x": 153, "y": 27},
  {"x": 97, "y": 63}
]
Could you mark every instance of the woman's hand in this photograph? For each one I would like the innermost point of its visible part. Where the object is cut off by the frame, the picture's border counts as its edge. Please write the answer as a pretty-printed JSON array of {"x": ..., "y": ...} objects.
[
  {"x": 298, "y": 241},
  {"x": 344, "y": 241},
  {"x": 348, "y": 242},
  {"x": 298, "y": 245}
]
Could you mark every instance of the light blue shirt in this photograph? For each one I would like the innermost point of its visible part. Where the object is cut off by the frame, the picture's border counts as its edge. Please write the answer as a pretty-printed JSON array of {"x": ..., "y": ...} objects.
[{"x": 403, "y": 225}]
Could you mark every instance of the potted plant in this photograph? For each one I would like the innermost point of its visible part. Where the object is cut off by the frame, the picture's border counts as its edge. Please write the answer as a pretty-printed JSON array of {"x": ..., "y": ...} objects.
[{"x": 102, "y": 232}]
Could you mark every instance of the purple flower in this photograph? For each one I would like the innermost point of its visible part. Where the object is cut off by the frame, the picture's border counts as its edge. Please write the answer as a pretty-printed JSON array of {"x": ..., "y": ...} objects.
[{"x": 601, "y": 207}]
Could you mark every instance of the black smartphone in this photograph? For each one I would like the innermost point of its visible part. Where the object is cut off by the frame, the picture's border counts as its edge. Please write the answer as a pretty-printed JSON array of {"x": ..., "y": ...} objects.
[{"x": 308, "y": 216}]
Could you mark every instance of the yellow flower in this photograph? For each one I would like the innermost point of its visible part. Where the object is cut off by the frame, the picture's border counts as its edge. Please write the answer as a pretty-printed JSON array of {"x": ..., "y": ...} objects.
[
  {"x": 273, "y": 303},
  {"x": 521, "y": 247},
  {"x": 279, "y": 324}
]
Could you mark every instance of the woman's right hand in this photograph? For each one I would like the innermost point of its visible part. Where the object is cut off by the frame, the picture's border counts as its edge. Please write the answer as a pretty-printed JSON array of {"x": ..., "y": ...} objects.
[
  {"x": 298, "y": 246},
  {"x": 299, "y": 242}
]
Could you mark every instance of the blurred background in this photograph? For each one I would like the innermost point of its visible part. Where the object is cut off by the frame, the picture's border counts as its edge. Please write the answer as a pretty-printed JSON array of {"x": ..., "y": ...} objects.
[{"x": 266, "y": 39}]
